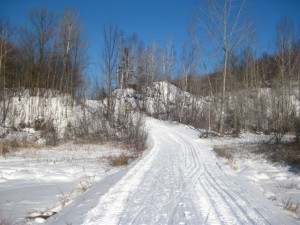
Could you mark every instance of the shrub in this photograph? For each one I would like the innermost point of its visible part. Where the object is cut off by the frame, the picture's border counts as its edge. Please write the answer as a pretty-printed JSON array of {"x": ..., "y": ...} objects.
[
  {"x": 287, "y": 153},
  {"x": 136, "y": 135},
  {"x": 284, "y": 153},
  {"x": 227, "y": 152},
  {"x": 224, "y": 152}
]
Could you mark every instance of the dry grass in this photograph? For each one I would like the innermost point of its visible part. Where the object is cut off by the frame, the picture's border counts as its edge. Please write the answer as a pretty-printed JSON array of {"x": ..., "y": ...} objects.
[
  {"x": 224, "y": 152},
  {"x": 7, "y": 146},
  {"x": 89, "y": 141},
  {"x": 290, "y": 206},
  {"x": 121, "y": 160},
  {"x": 64, "y": 199},
  {"x": 87, "y": 182},
  {"x": 228, "y": 153},
  {"x": 232, "y": 164},
  {"x": 290, "y": 186}
]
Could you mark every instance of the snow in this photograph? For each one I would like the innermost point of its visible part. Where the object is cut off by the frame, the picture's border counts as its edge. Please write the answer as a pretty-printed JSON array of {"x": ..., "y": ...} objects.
[
  {"x": 179, "y": 180},
  {"x": 184, "y": 184},
  {"x": 36, "y": 182},
  {"x": 156, "y": 98}
]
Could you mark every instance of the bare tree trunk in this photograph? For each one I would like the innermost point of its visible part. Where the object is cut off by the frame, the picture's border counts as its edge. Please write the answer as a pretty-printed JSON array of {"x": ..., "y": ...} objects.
[
  {"x": 221, "y": 130},
  {"x": 109, "y": 64},
  {"x": 65, "y": 60},
  {"x": 4, "y": 50}
]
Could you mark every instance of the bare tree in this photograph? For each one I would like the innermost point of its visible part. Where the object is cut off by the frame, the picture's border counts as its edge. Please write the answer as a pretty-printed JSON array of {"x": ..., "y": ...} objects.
[
  {"x": 283, "y": 114},
  {"x": 196, "y": 88},
  {"x": 189, "y": 66},
  {"x": 70, "y": 45},
  {"x": 126, "y": 61},
  {"x": 43, "y": 24},
  {"x": 167, "y": 59},
  {"x": 223, "y": 23},
  {"x": 5, "y": 49},
  {"x": 189, "y": 61},
  {"x": 111, "y": 37}
]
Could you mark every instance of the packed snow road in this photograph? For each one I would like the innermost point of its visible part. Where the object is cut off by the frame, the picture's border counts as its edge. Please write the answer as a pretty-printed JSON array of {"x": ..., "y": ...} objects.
[{"x": 179, "y": 181}]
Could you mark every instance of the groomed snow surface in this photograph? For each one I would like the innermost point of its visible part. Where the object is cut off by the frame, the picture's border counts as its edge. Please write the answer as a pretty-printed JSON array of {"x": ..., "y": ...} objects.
[{"x": 179, "y": 180}]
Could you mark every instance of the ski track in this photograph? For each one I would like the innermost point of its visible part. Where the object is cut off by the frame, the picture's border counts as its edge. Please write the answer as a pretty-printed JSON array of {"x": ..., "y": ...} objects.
[{"x": 178, "y": 182}]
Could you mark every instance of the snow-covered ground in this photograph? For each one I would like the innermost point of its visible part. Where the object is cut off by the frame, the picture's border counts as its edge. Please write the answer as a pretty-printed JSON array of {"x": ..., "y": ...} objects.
[
  {"x": 37, "y": 183},
  {"x": 179, "y": 180}
]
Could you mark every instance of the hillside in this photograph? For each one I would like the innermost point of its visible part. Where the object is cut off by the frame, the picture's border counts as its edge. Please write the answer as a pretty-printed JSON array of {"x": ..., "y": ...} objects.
[
  {"x": 61, "y": 152},
  {"x": 254, "y": 110}
]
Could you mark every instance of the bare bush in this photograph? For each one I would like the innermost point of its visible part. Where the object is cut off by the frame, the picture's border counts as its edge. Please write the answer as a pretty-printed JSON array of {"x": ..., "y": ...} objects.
[
  {"x": 228, "y": 153},
  {"x": 87, "y": 182},
  {"x": 224, "y": 152},
  {"x": 284, "y": 153},
  {"x": 291, "y": 185},
  {"x": 64, "y": 199},
  {"x": 136, "y": 136},
  {"x": 290, "y": 206}
]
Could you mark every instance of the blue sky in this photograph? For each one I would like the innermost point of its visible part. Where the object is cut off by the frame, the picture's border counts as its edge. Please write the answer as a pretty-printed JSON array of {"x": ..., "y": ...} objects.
[{"x": 158, "y": 20}]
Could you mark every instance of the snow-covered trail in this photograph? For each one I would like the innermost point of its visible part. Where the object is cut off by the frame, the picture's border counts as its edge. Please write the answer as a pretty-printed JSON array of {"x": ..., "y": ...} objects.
[{"x": 179, "y": 182}]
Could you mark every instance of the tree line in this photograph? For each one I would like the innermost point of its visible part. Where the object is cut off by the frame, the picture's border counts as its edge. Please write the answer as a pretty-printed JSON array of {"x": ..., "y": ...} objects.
[
  {"x": 47, "y": 53},
  {"x": 241, "y": 90}
]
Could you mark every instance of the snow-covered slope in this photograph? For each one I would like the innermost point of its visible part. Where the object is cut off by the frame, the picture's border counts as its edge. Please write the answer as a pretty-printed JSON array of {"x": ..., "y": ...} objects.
[
  {"x": 62, "y": 110},
  {"x": 158, "y": 99}
]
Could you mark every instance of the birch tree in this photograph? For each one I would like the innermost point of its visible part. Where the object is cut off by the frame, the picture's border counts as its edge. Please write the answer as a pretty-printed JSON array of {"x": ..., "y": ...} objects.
[
  {"x": 282, "y": 117},
  {"x": 223, "y": 24},
  {"x": 70, "y": 45}
]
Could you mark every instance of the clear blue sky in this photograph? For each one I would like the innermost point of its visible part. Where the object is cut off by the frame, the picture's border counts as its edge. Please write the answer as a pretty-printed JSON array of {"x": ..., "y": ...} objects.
[{"x": 158, "y": 20}]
